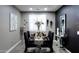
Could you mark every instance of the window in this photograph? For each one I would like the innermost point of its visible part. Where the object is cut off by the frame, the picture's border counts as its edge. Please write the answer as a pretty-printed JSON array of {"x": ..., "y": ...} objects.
[{"x": 33, "y": 18}]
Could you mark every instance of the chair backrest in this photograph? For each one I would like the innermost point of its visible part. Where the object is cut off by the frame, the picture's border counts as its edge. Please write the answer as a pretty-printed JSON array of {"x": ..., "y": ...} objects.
[
  {"x": 25, "y": 37},
  {"x": 28, "y": 34},
  {"x": 50, "y": 36}
]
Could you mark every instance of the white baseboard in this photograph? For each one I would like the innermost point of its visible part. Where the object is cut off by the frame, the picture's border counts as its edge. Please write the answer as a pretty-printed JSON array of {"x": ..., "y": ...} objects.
[
  {"x": 8, "y": 51},
  {"x": 67, "y": 50}
]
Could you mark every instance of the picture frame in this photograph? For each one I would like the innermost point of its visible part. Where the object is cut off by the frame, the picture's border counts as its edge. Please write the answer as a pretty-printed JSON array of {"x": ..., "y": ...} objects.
[{"x": 12, "y": 22}]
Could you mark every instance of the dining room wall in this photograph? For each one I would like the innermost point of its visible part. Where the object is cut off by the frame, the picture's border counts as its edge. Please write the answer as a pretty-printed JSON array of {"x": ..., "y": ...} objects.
[
  {"x": 72, "y": 26},
  {"x": 7, "y": 38},
  {"x": 49, "y": 16}
]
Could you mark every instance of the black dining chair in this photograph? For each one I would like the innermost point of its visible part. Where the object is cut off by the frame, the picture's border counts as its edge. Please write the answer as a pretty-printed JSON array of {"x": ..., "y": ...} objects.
[
  {"x": 28, "y": 42},
  {"x": 28, "y": 34},
  {"x": 50, "y": 36},
  {"x": 49, "y": 42}
]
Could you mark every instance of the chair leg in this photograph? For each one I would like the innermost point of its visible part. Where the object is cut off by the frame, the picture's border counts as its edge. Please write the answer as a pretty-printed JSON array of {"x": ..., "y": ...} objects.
[
  {"x": 51, "y": 50},
  {"x": 25, "y": 50}
]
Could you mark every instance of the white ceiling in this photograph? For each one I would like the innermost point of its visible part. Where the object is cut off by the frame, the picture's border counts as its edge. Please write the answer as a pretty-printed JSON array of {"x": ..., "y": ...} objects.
[{"x": 25, "y": 8}]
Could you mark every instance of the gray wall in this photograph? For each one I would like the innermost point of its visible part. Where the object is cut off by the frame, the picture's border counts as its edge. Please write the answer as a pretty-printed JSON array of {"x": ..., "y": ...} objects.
[
  {"x": 7, "y": 38},
  {"x": 72, "y": 26}
]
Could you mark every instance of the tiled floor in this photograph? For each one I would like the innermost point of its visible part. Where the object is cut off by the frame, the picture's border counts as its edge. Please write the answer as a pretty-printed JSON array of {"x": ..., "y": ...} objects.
[
  {"x": 57, "y": 48},
  {"x": 19, "y": 49}
]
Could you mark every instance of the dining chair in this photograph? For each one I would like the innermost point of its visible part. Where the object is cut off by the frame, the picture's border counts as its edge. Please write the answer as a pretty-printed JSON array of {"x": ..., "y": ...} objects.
[
  {"x": 49, "y": 42},
  {"x": 28, "y": 42}
]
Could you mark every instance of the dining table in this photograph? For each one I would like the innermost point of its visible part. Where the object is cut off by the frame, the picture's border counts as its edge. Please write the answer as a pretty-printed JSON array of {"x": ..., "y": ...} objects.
[{"x": 38, "y": 41}]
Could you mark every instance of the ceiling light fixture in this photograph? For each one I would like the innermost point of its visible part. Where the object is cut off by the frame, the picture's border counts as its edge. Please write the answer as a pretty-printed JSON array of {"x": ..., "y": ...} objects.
[
  {"x": 30, "y": 8},
  {"x": 38, "y": 9},
  {"x": 45, "y": 9}
]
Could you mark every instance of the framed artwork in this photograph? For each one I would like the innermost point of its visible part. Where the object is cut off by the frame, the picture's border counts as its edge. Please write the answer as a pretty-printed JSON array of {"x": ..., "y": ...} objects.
[{"x": 12, "y": 22}]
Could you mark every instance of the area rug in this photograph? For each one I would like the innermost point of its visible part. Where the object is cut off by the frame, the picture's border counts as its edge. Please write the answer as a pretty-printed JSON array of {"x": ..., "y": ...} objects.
[{"x": 38, "y": 50}]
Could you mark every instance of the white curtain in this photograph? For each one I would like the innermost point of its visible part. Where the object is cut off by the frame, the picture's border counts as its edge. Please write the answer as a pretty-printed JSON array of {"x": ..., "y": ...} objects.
[{"x": 33, "y": 18}]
